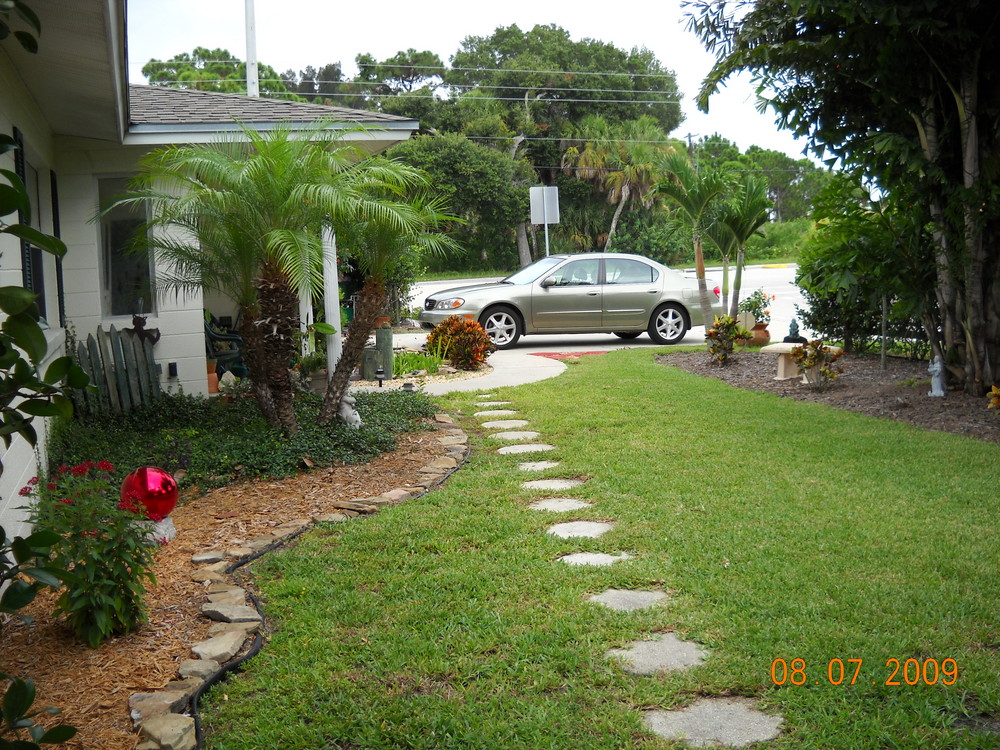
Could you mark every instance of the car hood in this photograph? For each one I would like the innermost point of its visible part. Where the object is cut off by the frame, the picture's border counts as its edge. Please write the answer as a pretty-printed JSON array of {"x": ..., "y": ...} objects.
[{"x": 459, "y": 291}]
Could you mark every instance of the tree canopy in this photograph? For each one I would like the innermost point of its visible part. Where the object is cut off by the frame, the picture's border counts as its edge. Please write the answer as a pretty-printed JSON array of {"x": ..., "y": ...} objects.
[{"x": 905, "y": 95}]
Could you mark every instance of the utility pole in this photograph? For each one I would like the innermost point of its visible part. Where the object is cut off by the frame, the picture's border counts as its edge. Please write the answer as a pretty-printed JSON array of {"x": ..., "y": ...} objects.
[{"x": 253, "y": 84}]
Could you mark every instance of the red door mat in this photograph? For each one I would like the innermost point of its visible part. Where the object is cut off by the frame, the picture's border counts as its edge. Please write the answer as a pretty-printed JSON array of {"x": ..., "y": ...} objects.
[{"x": 563, "y": 355}]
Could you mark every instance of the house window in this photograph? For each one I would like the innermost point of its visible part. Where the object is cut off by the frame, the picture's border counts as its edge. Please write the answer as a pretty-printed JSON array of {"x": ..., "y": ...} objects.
[
  {"x": 126, "y": 278},
  {"x": 32, "y": 270}
]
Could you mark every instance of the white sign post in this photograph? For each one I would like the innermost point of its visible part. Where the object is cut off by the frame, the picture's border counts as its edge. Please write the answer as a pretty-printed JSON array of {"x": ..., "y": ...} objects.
[{"x": 544, "y": 202}]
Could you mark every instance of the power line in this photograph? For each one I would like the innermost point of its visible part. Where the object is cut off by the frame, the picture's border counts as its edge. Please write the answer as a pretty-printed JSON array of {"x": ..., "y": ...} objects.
[{"x": 665, "y": 75}]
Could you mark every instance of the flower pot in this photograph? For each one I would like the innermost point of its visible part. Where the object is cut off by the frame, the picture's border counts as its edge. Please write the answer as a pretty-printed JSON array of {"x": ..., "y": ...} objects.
[
  {"x": 761, "y": 336},
  {"x": 383, "y": 322}
]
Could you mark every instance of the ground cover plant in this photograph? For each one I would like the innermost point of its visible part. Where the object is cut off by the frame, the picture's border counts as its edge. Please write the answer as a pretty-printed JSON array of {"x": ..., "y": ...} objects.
[
  {"x": 213, "y": 442},
  {"x": 783, "y": 530}
]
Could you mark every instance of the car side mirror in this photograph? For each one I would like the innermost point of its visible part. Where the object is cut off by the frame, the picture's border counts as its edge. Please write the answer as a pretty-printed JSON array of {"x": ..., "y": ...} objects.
[{"x": 546, "y": 283}]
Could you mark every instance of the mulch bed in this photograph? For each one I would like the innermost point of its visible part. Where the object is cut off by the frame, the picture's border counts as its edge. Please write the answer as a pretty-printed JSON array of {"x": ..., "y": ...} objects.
[
  {"x": 899, "y": 392},
  {"x": 92, "y": 686}
]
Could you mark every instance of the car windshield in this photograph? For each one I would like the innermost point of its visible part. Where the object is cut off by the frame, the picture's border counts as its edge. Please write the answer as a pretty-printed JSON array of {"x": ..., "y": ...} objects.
[{"x": 535, "y": 270}]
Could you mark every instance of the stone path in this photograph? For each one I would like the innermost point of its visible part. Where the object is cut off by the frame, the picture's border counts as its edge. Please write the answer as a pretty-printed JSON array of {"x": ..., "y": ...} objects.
[{"x": 708, "y": 722}]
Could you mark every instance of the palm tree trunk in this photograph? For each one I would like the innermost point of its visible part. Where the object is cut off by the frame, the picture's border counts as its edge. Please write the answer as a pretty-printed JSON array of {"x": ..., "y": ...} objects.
[
  {"x": 371, "y": 302},
  {"x": 699, "y": 262},
  {"x": 734, "y": 303},
  {"x": 277, "y": 327},
  {"x": 614, "y": 219}
]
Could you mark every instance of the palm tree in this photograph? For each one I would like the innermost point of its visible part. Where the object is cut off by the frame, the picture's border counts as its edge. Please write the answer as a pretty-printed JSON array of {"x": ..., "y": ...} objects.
[
  {"x": 734, "y": 222},
  {"x": 244, "y": 217},
  {"x": 692, "y": 193},
  {"x": 621, "y": 159},
  {"x": 376, "y": 241},
  {"x": 743, "y": 217}
]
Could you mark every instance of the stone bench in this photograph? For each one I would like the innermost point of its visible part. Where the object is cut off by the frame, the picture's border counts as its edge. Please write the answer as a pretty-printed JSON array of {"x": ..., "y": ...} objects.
[{"x": 787, "y": 368}]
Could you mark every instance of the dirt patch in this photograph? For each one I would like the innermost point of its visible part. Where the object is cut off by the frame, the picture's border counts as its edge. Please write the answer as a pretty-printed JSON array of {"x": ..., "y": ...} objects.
[{"x": 899, "y": 392}]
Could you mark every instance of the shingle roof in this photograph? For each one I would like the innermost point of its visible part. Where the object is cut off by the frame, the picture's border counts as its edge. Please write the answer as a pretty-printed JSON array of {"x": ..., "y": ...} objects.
[{"x": 159, "y": 106}]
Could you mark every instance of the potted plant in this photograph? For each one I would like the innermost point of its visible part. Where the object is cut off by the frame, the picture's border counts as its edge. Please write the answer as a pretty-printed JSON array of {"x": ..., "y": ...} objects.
[{"x": 758, "y": 304}]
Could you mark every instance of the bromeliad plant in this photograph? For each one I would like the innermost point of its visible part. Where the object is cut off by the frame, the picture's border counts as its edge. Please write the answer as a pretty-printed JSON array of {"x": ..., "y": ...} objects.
[
  {"x": 815, "y": 361},
  {"x": 994, "y": 398},
  {"x": 724, "y": 334},
  {"x": 107, "y": 554},
  {"x": 461, "y": 340}
]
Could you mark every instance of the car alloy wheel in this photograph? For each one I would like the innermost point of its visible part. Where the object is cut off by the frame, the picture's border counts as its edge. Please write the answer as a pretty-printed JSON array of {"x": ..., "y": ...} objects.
[
  {"x": 502, "y": 325},
  {"x": 668, "y": 324}
]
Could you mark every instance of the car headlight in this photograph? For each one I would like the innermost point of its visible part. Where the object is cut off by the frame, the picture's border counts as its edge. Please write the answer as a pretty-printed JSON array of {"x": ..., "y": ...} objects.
[{"x": 449, "y": 304}]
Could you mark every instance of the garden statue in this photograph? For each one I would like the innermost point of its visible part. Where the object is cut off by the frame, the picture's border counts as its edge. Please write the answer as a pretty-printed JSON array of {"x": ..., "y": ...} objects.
[
  {"x": 348, "y": 413},
  {"x": 793, "y": 336},
  {"x": 936, "y": 369}
]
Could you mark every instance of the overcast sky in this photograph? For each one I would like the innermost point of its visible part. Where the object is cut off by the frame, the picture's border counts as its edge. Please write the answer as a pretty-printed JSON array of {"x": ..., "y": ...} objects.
[{"x": 292, "y": 34}]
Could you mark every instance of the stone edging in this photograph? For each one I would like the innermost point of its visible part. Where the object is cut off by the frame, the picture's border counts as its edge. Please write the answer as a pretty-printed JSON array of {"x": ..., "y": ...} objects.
[{"x": 168, "y": 719}]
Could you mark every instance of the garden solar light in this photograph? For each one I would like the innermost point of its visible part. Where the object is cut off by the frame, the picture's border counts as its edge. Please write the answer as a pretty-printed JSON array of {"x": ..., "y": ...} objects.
[{"x": 380, "y": 376}]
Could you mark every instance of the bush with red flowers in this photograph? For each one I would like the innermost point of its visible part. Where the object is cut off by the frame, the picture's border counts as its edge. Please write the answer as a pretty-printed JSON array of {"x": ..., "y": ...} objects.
[{"x": 107, "y": 554}]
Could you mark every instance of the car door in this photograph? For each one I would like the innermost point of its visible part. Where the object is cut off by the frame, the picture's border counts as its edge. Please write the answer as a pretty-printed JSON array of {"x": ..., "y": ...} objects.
[
  {"x": 569, "y": 298},
  {"x": 631, "y": 291}
]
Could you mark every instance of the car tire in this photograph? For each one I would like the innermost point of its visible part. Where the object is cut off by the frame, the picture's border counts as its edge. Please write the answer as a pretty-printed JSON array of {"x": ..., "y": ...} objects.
[
  {"x": 503, "y": 325},
  {"x": 669, "y": 324},
  {"x": 628, "y": 335}
]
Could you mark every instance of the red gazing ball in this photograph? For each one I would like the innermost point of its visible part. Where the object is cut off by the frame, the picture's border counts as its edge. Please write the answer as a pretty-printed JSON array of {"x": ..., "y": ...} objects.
[{"x": 152, "y": 488}]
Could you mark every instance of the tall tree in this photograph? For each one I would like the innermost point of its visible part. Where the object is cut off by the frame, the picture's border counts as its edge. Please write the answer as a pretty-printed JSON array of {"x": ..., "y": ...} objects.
[
  {"x": 484, "y": 186},
  {"x": 904, "y": 93},
  {"x": 622, "y": 159},
  {"x": 692, "y": 192},
  {"x": 213, "y": 70}
]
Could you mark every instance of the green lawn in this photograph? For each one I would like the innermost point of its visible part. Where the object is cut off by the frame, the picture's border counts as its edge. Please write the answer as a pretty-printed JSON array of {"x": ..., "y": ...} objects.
[{"x": 782, "y": 529}]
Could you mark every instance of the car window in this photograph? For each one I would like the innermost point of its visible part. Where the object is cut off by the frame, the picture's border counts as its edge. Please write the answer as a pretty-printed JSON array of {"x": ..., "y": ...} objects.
[
  {"x": 534, "y": 271},
  {"x": 577, "y": 273},
  {"x": 625, "y": 271}
]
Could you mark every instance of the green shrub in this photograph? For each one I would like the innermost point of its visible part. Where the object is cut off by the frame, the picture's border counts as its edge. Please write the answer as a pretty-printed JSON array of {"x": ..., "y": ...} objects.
[
  {"x": 214, "y": 442},
  {"x": 461, "y": 340},
  {"x": 107, "y": 554},
  {"x": 405, "y": 363},
  {"x": 815, "y": 361}
]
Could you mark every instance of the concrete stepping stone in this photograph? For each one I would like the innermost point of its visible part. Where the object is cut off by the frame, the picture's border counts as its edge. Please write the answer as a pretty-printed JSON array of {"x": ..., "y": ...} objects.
[
  {"x": 494, "y": 403},
  {"x": 624, "y": 600},
  {"x": 537, "y": 465},
  {"x": 665, "y": 653},
  {"x": 505, "y": 424},
  {"x": 486, "y": 395},
  {"x": 495, "y": 413},
  {"x": 599, "y": 559},
  {"x": 710, "y": 722},
  {"x": 514, "y": 435},
  {"x": 551, "y": 484},
  {"x": 588, "y": 529},
  {"x": 559, "y": 504},
  {"x": 510, "y": 450}
]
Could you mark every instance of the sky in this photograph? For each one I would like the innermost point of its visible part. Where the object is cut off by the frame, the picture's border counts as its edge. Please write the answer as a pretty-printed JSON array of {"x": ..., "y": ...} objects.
[{"x": 292, "y": 34}]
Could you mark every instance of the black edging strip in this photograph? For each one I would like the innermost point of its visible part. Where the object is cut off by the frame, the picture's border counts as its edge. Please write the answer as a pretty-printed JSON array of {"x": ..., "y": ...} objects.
[{"x": 236, "y": 665}]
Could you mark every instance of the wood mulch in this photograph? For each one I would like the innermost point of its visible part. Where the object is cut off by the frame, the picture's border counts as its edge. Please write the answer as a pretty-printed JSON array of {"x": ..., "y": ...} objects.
[{"x": 92, "y": 686}]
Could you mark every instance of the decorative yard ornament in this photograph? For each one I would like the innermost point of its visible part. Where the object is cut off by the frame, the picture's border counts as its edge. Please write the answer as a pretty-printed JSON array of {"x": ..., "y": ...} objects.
[
  {"x": 793, "y": 336},
  {"x": 936, "y": 369},
  {"x": 348, "y": 413},
  {"x": 152, "y": 488}
]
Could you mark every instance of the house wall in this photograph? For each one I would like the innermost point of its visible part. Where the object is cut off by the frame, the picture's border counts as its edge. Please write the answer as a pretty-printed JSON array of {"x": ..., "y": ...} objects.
[
  {"x": 17, "y": 109},
  {"x": 179, "y": 318}
]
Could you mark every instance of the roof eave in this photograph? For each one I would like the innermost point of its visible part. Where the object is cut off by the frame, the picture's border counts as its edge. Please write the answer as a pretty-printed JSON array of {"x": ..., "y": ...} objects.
[{"x": 161, "y": 135}]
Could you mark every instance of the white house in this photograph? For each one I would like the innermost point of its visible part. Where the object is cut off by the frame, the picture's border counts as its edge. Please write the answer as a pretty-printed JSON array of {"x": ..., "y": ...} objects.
[{"x": 83, "y": 128}]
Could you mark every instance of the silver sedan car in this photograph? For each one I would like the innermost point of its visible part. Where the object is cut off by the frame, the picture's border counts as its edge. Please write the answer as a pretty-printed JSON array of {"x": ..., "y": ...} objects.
[{"x": 585, "y": 293}]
